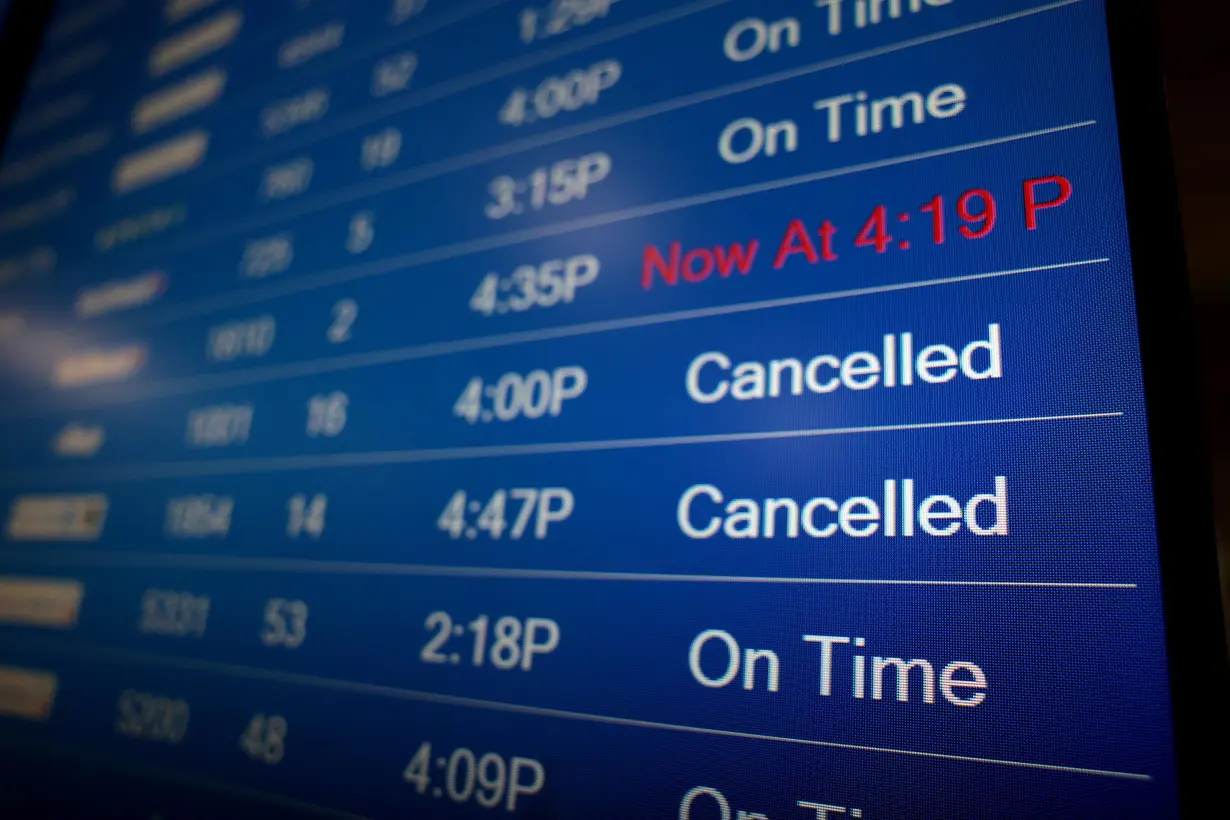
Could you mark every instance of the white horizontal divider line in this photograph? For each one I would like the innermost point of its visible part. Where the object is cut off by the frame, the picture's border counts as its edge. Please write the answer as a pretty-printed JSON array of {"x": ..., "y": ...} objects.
[
  {"x": 62, "y": 749},
  {"x": 238, "y": 563},
  {"x": 336, "y": 364},
  {"x": 180, "y": 469},
  {"x": 457, "y": 250},
  {"x": 420, "y": 173},
  {"x": 125, "y": 656}
]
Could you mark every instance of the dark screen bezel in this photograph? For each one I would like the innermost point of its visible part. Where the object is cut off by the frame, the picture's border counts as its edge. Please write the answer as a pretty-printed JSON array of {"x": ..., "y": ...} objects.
[
  {"x": 1195, "y": 634},
  {"x": 1187, "y": 555},
  {"x": 21, "y": 37}
]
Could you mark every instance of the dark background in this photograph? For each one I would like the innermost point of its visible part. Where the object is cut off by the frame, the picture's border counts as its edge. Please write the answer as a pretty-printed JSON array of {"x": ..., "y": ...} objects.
[{"x": 1196, "y": 56}]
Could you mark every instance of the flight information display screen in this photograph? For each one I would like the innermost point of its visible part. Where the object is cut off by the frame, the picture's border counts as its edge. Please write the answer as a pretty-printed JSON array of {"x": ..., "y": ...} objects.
[{"x": 575, "y": 409}]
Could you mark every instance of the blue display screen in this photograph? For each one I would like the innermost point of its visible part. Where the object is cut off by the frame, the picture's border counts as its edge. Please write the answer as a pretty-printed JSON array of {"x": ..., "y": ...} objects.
[{"x": 575, "y": 409}]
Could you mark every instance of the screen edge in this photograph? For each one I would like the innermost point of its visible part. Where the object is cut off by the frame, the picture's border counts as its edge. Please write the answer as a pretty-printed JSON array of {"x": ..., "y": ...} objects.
[{"x": 1169, "y": 343}]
